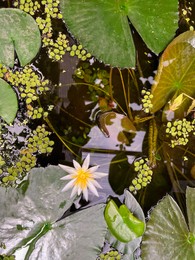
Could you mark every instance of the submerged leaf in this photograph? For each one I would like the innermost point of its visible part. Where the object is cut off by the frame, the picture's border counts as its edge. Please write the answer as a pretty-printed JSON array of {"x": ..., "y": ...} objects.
[
  {"x": 8, "y": 102},
  {"x": 19, "y": 32},
  {"x": 175, "y": 75},
  {"x": 103, "y": 26},
  {"x": 28, "y": 224}
]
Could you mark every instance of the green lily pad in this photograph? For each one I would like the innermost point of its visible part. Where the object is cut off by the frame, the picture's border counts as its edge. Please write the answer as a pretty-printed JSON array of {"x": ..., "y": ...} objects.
[
  {"x": 19, "y": 32},
  {"x": 167, "y": 235},
  {"x": 8, "y": 102},
  {"x": 175, "y": 73},
  {"x": 28, "y": 224},
  {"x": 103, "y": 26}
]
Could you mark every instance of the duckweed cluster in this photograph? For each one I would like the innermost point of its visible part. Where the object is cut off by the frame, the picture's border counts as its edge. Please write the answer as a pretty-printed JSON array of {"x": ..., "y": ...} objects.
[
  {"x": 146, "y": 100},
  {"x": 27, "y": 6},
  {"x": 28, "y": 81},
  {"x": 14, "y": 166},
  {"x": 179, "y": 131},
  {"x": 19, "y": 153},
  {"x": 39, "y": 141},
  {"x": 144, "y": 175},
  {"x": 111, "y": 255}
]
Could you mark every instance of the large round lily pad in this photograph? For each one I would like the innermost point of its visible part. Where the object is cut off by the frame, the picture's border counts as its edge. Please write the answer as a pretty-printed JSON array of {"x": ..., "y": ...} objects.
[
  {"x": 19, "y": 32},
  {"x": 103, "y": 26}
]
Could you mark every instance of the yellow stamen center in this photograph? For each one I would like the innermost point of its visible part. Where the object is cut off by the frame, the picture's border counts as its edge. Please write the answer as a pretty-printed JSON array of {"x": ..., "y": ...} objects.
[{"x": 82, "y": 178}]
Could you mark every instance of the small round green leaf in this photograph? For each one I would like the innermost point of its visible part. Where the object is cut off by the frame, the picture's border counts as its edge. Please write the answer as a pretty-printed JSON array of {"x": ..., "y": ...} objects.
[
  {"x": 19, "y": 32},
  {"x": 8, "y": 102}
]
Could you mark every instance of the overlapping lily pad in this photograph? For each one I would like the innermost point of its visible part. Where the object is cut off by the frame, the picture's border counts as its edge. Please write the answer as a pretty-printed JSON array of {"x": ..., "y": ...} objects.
[
  {"x": 19, "y": 32},
  {"x": 103, "y": 26},
  {"x": 167, "y": 234},
  {"x": 28, "y": 224},
  {"x": 175, "y": 73},
  {"x": 8, "y": 102}
]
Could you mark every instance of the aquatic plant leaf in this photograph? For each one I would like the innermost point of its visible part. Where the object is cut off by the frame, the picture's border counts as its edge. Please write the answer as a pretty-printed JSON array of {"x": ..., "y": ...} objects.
[
  {"x": 31, "y": 217},
  {"x": 128, "y": 249},
  {"x": 175, "y": 75},
  {"x": 190, "y": 198},
  {"x": 103, "y": 26},
  {"x": 19, "y": 32},
  {"x": 167, "y": 235},
  {"x": 8, "y": 102}
]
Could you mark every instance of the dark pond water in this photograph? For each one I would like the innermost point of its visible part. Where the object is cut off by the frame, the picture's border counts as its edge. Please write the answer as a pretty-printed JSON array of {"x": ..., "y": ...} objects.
[{"x": 91, "y": 100}]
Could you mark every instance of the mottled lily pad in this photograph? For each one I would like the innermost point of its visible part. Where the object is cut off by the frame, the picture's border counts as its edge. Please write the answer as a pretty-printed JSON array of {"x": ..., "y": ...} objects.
[
  {"x": 167, "y": 234},
  {"x": 103, "y": 26},
  {"x": 28, "y": 224},
  {"x": 19, "y": 32}
]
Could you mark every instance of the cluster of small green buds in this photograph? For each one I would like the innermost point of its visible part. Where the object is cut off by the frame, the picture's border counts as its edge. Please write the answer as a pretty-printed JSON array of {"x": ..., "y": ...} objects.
[
  {"x": 180, "y": 130},
  {"x": 45, "y": 25},
  {"x": 146, "y": 100},
  {"x": 29, "y": 83},
  {"x": 52, "y": 8},
  {"x": 39, "y": 142},
  {"x": 27, "y": 6},
  {"x": 3, "y": 71},
  {"x": 111, "y": 255},
  {"x": 36, "y": 113},
  {"x": 144, "y": 175},
  {"x": 79, "y": 52},
  {"x": 56, "y": 49}
]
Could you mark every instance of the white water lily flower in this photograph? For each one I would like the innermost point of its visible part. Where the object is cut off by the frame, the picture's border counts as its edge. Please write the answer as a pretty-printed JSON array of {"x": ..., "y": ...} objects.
[{"x": 82, "y": 178}]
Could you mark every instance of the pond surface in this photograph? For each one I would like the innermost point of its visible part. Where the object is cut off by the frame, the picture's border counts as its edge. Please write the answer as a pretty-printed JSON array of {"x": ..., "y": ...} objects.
[{"x": 94, "y": 107}]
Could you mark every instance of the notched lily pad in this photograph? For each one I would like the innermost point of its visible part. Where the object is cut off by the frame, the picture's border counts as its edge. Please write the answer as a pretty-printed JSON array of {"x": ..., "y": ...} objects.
[
  {"x": 19, "y": 32},
  {"x": 167, "y": 234},
  {"x": 28, "y": 224},
  {"x": 103, "y": 26}
]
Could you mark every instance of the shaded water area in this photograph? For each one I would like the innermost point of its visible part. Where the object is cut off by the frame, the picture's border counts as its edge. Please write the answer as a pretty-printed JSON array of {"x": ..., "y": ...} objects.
[{"x": 98, "y": 110}]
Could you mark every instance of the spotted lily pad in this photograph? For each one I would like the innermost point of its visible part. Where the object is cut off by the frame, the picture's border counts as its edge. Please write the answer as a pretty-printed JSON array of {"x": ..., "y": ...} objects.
[
  {"x": 175, "y": 73},
  {"x": 167, "y": 234},
  {"x": 28, "y": 224},
  {"x": 8, "y": 102},
  {"x": 19, "y": 32},
  {"x": 103, "y": 26}
]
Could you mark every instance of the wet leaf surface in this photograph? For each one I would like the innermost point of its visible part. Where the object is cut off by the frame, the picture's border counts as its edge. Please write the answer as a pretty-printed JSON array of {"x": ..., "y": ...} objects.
[
  {"x": 111, "y": 41},
  {"x": 19, "y": 32}
]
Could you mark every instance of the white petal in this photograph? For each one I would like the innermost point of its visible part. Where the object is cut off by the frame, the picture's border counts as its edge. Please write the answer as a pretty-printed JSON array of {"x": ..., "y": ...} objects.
[
  {"x": 67, "y": 169},
  {"x": 93, "y": 189},
  {"x": 67, "y": 177},
  {"x": 99, "y": 175},
  {"x": 96, "y": 184},
  {"x": 76, "y": 165},
  {"x": 74, "y": 191},
  {"x": 85, "y": 194},
  {"x": 85, "y": 165},
  {"x": 69, "y": 185},
  {"x": 79, "y": 190},
  {"x": 93, "y": 169}
]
